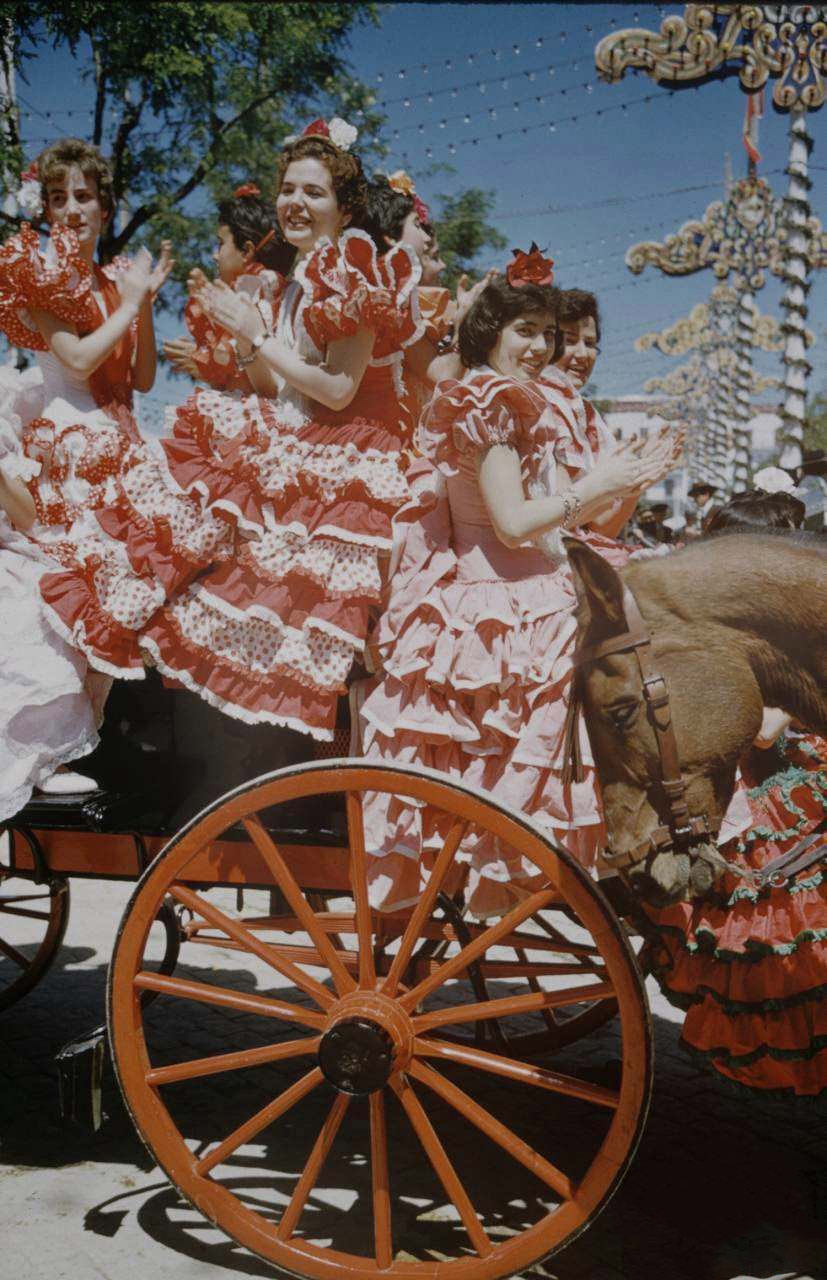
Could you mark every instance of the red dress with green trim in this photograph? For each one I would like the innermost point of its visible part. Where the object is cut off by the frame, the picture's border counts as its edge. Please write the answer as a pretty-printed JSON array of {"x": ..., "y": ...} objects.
[
  {"x": 268, "y": 630},
  {"x": 750, "y": 966}
]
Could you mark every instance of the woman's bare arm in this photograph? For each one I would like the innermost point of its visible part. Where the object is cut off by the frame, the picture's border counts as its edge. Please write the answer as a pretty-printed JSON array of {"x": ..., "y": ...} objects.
[
  {"x": 333, "y": 383},
  {"x": 17, "y": 502},
  {"x": 83, "y": 355},
  {"x": 516, "y": 518}
]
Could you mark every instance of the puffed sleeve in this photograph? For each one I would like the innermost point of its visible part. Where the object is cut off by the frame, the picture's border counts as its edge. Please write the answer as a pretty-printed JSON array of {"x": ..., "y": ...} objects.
[
  {"x": 56, "y": 280},
  {"x": 351, "y": 287},
  {"x": 483, "y": 409}
]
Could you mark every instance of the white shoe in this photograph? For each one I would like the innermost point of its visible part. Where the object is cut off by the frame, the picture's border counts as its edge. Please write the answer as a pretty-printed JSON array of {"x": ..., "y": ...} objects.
[{"x": 66, "y": 783}]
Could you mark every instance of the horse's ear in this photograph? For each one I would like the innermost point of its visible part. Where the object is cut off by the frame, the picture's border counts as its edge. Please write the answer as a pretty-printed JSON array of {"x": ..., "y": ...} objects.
[{"x": 599, "y": 589}]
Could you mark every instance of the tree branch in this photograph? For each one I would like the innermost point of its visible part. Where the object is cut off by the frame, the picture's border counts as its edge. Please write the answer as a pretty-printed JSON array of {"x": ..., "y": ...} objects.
[
  {"x": 100, "y": 95},
  {"x": 147, "y": 211}
]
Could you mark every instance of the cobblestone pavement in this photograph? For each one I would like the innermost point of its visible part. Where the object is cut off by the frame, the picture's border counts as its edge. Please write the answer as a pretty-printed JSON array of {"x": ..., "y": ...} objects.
[{"x": 722, "y": 1187}]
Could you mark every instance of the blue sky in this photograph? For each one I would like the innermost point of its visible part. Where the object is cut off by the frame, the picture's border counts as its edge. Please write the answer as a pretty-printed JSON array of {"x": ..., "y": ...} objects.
[{"x": 507, "y": 95}]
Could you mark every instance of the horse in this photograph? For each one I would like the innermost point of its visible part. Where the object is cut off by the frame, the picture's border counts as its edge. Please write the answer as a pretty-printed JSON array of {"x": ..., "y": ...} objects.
[{"x": 725, "y": 627}]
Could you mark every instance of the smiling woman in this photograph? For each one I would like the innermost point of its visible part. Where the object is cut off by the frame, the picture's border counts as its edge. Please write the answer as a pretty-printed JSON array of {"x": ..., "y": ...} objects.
[
  {"x": 66, "y": 428},
  {"x": 476, "y": 642}
]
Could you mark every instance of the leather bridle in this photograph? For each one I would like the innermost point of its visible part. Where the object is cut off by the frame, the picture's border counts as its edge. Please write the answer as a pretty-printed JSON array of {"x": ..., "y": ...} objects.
[
  {"x": 685, "y": 832},
  {"x": 684, "y": 829}
]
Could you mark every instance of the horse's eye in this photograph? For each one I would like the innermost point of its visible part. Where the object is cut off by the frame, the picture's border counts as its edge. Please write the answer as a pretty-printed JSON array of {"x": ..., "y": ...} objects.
[{"x": 622, "y": 714}]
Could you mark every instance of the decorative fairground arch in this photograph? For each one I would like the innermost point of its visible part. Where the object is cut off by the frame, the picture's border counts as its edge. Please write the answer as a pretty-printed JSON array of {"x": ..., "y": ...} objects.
[{"x": 785, "y": 43}]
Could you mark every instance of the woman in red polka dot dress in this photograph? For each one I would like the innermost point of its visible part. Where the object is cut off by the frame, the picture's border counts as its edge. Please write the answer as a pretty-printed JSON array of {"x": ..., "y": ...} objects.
[
  {"x": 65, "y": 428},
  {"x": 304, "y": 472}
]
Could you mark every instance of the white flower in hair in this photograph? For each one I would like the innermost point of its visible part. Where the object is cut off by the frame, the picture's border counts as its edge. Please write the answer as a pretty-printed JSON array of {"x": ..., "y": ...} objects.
[
  {"x": 28, "y": 194},
  {"x": 774, "y": 480},
  {"x": 342, "y": 134}
]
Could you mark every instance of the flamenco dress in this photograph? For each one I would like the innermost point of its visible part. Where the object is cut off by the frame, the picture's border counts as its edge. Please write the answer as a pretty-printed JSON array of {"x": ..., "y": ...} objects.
[
  {"x": 749, "y": 965},
  {"x": 437, "y": 314},
  {"x": 62, "y": 436},
  {"x": 267, "y": 628},
  {"x": 477, "y": 639}
]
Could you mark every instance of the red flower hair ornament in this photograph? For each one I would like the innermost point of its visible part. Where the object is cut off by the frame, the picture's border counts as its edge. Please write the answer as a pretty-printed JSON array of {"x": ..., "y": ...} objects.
[
  {"x": 529, "y": 268},
  {"x": 246, "y": 189}
]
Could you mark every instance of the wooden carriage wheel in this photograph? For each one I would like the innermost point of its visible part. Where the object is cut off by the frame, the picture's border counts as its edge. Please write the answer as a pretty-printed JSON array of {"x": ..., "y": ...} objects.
[
  {"x": 364, "y": 1036},
  {"x": 33, "y": 920}
]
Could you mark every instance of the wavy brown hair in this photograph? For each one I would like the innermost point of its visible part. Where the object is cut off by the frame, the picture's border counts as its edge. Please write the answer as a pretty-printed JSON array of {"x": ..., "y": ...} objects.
[
  {"x": 497, "y": 305},
  {"x": 347, "y": 175},
  {"x": 54, "y": 163}
]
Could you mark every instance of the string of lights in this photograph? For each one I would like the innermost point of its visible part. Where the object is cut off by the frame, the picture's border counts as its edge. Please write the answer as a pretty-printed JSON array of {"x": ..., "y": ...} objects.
[
  {"x": 541, "y": 41},
  {"x": 550, "y": 125},
  {"x": 465, "y": 117}
]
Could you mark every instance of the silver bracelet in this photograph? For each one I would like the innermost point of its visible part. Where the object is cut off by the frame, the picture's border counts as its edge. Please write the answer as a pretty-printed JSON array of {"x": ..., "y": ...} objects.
[
  {"x": 572, "y": 507},
  {"x": 255, "y": 346}
]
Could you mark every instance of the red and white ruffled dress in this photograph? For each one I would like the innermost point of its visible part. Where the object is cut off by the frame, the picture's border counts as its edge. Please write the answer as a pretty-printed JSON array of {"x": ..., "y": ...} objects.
[
  {"x": 65, "y": 438},
  {"x": 267, "y": 628},
  {"x": 476, "y": 642}
]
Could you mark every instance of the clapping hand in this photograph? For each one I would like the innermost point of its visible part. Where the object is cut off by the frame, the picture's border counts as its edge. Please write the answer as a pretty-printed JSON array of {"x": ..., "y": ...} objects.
[
  {"x": 467, "y": 295},
  {"x": 235, "y": 312},
  {"x": 142, "y": 281},
  {"x": 161, "y": 270},
  {"x": 179, "y": 352},
  {"x": 196, "y": 280},
  {"x": 660, "y": 452}
]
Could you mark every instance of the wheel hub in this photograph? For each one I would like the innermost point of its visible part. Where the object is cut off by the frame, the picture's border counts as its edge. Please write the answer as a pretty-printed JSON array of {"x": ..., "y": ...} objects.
[{"x": 356, "y": 1056}]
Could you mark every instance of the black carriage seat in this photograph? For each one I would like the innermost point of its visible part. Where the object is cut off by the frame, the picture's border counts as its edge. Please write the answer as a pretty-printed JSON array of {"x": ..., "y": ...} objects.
[{"x": 164, "y": 755}]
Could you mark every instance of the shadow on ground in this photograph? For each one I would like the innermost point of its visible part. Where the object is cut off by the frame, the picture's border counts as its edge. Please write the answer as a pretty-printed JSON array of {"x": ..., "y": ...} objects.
[{"x": 722, "y": 1185}]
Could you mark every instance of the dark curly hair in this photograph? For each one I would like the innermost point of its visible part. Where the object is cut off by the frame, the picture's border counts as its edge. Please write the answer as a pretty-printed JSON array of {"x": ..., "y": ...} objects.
[
  {"x": 54, "y": 163},
  {"x": 249, "y": 218},
  {"x": 754, "y": 509},
  {"x": 499, "y": 304},
  {"x": 386, "y": 212},
  {"x": 349, "y": 181},
  {"x": 576, "y": 305}
]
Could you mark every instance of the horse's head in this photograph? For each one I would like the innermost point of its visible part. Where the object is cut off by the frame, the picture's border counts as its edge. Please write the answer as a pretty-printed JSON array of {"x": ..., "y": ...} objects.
[{"x": 660, "y": 831}]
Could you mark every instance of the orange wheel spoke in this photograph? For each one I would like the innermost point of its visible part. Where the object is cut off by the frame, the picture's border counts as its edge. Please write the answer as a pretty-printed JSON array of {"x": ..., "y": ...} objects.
[
  {"x": 246, "y": 1002},
  {"x": 232, "y": 1061},
  {"x": 359, "y": 886},
  {"x": 13, "y": 954},
  {"x": 313, "y": 1168},
  {"x": 424, "y": 906},
  {"x": 380, "y": 1180},
  {"x": 304, "y": 912},
  {"x": 509, "y": 1005},
  {"x": 494, "y": 1129},
  {"x": 522, "y": 1073},
  {"x": 260, "y": 1121},
  {"x": 239, "y": 933},
  {"x": 445, "y": 1171},
  {"x": 535, "y": 902}
]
